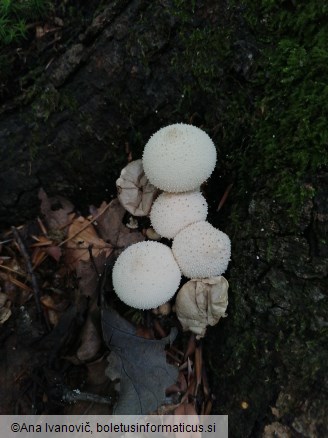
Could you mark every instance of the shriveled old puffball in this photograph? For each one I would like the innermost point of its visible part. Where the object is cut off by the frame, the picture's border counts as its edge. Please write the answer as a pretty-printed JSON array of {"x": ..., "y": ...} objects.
[
  {"x": 134, "y": 191},
  {"x": 202, "y": 302}
]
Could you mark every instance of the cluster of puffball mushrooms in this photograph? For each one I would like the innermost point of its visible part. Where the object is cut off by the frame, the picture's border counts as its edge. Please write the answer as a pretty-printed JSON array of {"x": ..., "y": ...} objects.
[{"x": 176, "y": 161}]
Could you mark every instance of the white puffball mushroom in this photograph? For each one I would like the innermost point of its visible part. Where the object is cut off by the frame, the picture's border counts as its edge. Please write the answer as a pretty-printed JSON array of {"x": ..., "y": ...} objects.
[
  {"x": 145, "y": 275},
  {"x": 179, "y": 158},
  {"x": 201, "y": 250},
  {"x": 172, "y": 212}
]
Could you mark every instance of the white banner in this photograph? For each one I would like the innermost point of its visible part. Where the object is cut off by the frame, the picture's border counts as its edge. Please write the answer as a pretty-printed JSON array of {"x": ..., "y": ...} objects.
[{"x": 105, "y": 426}]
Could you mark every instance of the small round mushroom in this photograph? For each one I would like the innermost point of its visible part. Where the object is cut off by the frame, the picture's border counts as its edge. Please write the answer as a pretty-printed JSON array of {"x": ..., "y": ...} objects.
[
  {"x": 146, "y": 275},
  {"x": 172, "y": 212},
  {"x": 201, "y": 250},
  {"x": 179, "y": 158}
]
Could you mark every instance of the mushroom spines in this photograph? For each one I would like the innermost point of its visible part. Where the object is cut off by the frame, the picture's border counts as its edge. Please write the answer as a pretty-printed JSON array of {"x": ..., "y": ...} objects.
[
  {"x": 201, "y": 250},
  {"x": 179, "y": 158},
  {"x": 146, "y": 275},
  {"x": 171, "y": 212}
]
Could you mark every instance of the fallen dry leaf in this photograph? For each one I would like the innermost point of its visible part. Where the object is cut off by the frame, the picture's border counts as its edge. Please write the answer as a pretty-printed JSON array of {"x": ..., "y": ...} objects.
[
  {"x": 111, "y": 228},
  {"x": 109, "y": 223},
  {"x": 5, "y": 314},
  {"x": 88, "y": 276},
  {"x": 179, "y": 387},
  {"x": 38, "y": 256},
  {"x": 79, "y": 244},
  {"x": 47, "y": 246},
  {"x": 141, "y": 364},
  {"x": 128, "y": 237},
  {"x": 57, "y": 305},
  {"x": 41, "y": 241},
  {"x": 90, "y": 342},
  {"x": 53, "y": 251},
  {"x": 114, "y": 369},
  {"x": 19, "y": 284},
  {"x": 53, "y": 317},
  {"x": 57, "y": 211},
  {"x": 12, "y": 288},
  {"x": 3, "y": 299}
]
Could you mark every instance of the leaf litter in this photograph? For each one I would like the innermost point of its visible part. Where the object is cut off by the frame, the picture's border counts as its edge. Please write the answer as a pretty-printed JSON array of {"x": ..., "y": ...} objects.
[
  {"x": 140, "y": 363},
  {"x": 153, "y": 367}
]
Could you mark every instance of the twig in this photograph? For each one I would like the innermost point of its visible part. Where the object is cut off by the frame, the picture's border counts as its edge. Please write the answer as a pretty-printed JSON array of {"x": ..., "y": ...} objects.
[
  {"x": 13, "y": 271},
  {"x": 171, "y": 355},
  {"x": 224, "y": 197},
  {"x": 34, "y": 280},
  {"x": 77, "y": 395},
  {"x": 93, "y": 260},
  {"x": 82, "y": 229},
  {"x": 190, "y": 346},
  {"x": 198, "y": 365},
  {"x": 5, "y": 241}
]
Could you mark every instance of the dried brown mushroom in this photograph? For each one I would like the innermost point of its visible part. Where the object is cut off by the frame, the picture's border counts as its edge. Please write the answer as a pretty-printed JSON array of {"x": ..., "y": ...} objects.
[
  {"x": 202, "y": 302},
  {"x": 135, "y": 192}
]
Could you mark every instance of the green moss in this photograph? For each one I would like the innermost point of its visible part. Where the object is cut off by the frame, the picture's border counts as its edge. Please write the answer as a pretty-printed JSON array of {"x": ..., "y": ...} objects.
[
  {"x": 270, "y": 121},
  {"x": 291, "y": 133},
  {"x": 17, "y": 24},
  {"x": 208, "y": 69},
  {"x": 15, "y": 16},
  {"x": 50, "y": 101},
  {"x": 269, "y": 124}
]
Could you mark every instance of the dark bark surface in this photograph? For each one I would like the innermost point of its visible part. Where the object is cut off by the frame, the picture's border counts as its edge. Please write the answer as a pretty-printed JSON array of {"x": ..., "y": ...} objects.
[
  {"x": 69, "y": 131},
  {"x": 270, "y": 352},
  {"x": 113, "y": 86}
]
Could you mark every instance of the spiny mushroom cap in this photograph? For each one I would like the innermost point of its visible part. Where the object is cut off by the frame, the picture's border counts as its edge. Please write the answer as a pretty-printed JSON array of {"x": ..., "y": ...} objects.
[
  {"x": 171, "y": 212},
  {"x": 179, "y": 158},
  {"x": 145, "y": 275},
  {"x": 201, "y": 250}
]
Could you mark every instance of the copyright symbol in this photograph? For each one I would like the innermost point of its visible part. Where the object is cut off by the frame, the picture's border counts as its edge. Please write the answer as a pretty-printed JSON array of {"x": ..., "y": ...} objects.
[{"x": 15, "y": 427}]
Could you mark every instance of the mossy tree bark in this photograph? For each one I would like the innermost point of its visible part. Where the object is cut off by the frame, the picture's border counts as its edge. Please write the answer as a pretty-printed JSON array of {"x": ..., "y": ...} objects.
[{"x": 268, "y": 357}]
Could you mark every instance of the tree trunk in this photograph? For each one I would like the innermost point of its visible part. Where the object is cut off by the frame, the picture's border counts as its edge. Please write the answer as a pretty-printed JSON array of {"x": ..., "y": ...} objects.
[{"x": 69, "y": 131}]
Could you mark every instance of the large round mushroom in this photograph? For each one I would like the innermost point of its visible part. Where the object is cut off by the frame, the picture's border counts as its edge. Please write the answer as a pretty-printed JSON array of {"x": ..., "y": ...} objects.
[
  {"x": 179, "y": 158},
  {"x": 201, "y": 250},
  {"x": 171, "y": 212},
  {"x": 145, "y": 275}
]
